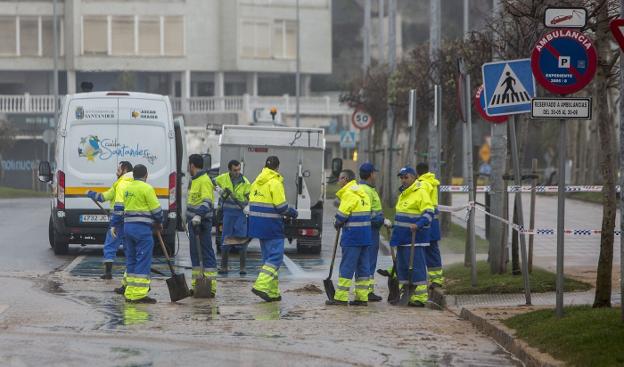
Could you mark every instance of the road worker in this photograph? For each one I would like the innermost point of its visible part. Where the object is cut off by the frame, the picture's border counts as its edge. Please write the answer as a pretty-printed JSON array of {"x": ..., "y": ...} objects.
[
  {"x": 199, "y": 210},
  {"x": 142, "y": 216},
  {"x": 367, "y": 182},
  {"x": 235, "y": 196},
  {"x": 267, "y": 207},
  {"x": 354, "y": 218},
  {"x": 414, "y": 213},
  {"x": 114, "y": 235},
  {"x": 432, "y": 252}
]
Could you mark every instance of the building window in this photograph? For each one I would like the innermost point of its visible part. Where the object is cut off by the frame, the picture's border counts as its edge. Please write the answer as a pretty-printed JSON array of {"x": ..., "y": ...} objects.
[
  {"x": 284, "y": 39},
  {"x": 149, "y": 36},
  {"x": 29, "y": 36},
  {"x": 95, "y": 35},
  {"x": 122, "y": 35},
  {"x": 47, "y": 36},
  {"x": 263, "y": 40},
  {"x": 174, "y": 36},
  {"x": 8, "y": 41},
  {"x": 255, "y": 39},
  {"x": 133, "y": 35}
]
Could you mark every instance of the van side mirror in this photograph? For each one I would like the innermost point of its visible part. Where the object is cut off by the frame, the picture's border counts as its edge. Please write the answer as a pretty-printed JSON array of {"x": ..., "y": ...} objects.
[
  {"x": 207, "y": 161},
  {"x": 336, "y": 166},
  {"x": 45, "y": 172}
]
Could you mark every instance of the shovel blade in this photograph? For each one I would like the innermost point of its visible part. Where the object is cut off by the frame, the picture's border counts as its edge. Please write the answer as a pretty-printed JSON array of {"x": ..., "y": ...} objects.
[
  {"x": 393, "y": 290},
  {"x": 405, "y": 296},
  {"x": 329, "y": 288},
  {"x": 178, "y": 289},
  {"x": 203, "y": 288}
]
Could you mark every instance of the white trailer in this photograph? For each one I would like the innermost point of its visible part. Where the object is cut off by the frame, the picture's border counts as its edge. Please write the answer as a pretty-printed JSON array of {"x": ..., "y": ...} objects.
[{"x": 301, "y": 152}]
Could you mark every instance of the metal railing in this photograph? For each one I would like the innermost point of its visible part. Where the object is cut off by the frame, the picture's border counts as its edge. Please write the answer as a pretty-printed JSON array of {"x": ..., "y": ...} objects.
[{"x": 27, "y": 103}]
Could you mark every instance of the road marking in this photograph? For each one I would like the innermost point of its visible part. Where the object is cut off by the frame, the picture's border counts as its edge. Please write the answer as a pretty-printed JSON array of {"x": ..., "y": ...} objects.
[{"x": 73, "y": 264}]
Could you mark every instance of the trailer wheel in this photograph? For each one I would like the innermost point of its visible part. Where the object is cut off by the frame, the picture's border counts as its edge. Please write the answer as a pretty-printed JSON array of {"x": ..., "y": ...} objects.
[{"x": 309, "y": 246}]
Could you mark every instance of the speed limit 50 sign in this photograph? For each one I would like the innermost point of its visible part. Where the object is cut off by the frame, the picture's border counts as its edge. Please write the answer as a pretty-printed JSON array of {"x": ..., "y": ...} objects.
[{"x": 361, "y": 119}]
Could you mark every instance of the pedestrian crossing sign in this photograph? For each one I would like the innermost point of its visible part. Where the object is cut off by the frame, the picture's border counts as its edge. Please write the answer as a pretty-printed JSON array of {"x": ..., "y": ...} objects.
[
  {"x": 347, "y": 139},
  {"x": 509, "y": 87}
]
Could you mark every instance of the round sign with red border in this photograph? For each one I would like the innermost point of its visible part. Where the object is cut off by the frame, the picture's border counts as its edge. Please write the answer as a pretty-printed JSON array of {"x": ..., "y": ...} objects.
[
  {"x": 361, "y": 119},
  {"x": 479, "y": 103},
  {"x": 564, "y": 61}
]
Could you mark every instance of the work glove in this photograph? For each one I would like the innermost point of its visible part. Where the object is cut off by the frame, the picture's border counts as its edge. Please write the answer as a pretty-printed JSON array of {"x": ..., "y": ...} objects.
[
  {"x": 113, "y": 232},
  {"x": 292, "y": 213},
  {"x": 219, "y": 190},
  {"x": 92, "y": 194},
  {"x": 338, "y": 224},
  {"x": 196, "y": 223},
  {"x": 246, "y": 210},
  {"x": 387, "y": 223}
]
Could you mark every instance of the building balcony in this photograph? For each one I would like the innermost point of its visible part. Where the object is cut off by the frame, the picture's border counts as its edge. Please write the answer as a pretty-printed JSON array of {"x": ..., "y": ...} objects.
[{"x": 246, "y": 104}]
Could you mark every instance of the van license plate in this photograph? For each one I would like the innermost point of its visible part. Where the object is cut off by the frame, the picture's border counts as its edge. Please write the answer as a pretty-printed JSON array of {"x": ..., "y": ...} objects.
[{"x": 93, "y": 218}]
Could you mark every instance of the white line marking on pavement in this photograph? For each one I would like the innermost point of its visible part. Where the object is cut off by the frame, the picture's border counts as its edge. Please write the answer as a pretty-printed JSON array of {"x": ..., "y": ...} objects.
[{"x": 73, "y": 264}]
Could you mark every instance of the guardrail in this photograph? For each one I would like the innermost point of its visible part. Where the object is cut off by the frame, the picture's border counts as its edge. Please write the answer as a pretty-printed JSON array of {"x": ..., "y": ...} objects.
[{"x": 26, "y": 103}]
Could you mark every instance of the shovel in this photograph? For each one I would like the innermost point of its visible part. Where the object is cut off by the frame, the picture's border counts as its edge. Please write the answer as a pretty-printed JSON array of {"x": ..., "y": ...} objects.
[
  {"x": 327, "y": 283},
  {"x": 407, "y": 293},
  {"x": 203, "y": 286},
  {"x": 178, "y": 289}
]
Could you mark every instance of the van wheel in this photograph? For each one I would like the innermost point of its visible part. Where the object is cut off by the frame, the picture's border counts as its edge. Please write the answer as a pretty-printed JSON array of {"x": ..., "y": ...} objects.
[
  {"x": 309, "y": 246},
  {"x": 60, "y": 243},
  {"x": 51, "y": 232}
]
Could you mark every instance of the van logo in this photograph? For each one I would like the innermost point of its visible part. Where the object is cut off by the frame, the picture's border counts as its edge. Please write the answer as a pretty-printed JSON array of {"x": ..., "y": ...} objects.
[
  {"x": 79, "y": 113},
  {"x": 136, "y": 114},
  {"x": 89, "y": 146},
  {"x": 92, "y": 147}
]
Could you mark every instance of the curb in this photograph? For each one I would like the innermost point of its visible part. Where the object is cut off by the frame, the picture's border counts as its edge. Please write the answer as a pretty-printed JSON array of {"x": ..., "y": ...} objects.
[{"x": 504, "y": 336}]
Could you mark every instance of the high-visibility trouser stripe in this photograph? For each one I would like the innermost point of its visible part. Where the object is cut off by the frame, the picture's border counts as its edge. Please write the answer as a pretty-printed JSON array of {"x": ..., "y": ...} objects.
[
  {"x": 264, "y": 215},
  {"x": 141, "y": 276},
  {"x": 267, "y": 272},
  {"x": 421, "y": 244},
  {"x": 138, "y": 220},
  {"x": 343, "y": 288},
  {"x": 358, "y": 224},
  {"x": 137, "y": 284}
]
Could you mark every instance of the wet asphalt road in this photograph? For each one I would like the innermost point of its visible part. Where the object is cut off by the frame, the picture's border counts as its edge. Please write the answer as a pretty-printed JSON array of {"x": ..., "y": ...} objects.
[{"x": 56, "y": 311}]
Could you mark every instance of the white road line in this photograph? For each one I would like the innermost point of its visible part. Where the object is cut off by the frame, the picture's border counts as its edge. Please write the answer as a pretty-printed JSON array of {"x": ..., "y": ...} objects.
[{"x": 73, "y": 264}]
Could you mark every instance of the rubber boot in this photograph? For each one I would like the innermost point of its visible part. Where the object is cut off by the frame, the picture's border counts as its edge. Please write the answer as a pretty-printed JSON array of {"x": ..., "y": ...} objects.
[
  {"x": 224, "y": 260},
  {"x": 243, "y": 260},
  {"x": 108, "y": 271}
]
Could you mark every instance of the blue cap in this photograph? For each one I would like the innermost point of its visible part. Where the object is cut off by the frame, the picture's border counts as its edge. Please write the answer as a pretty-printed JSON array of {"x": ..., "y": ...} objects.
[
  {"x": 368, "y": 168},
  {"x": 407, "y": 170}
]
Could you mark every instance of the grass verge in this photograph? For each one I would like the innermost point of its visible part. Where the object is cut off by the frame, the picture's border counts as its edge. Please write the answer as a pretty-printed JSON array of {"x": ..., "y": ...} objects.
[
  {"x": 585, "y": 336},
  {"x": 11, "y": 193},
  {"x": 458, "y": 281}
]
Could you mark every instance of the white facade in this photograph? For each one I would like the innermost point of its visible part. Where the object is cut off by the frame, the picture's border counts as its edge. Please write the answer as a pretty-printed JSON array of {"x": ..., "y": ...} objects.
[{"x": 183, "y": 48}]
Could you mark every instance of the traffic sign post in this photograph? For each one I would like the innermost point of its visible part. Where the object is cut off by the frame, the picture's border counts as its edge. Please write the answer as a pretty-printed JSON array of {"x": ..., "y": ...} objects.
[
  {"x": 564, "y": 62},
  {"x": 347, "y": 139},
  {"x": 556, "y": 17},
  {"x": 556, "y": 108},
  {"x": 361, "y": 119},
  {"x": 508, "y": 87},
  {"x": 479, "y": 104}
]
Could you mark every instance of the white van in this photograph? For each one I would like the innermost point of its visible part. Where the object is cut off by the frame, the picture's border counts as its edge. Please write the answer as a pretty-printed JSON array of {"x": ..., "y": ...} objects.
[{"x": 95, "y": 132}]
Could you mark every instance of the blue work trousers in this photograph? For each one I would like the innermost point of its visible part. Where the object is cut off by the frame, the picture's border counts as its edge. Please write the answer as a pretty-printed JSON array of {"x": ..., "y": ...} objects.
[
  {"x": 355, "y": 261},
  {"x": 419, "y": 274},
  {"x": 234, "y": 225},
  {"x": 111, "y": 244},
  {"x": 272, "y": 251},
  {"x": 205, "y": 240},
  {"x": 432, "y": 254},
  {"x": 139, "y": 244},
  {"x": 373, "y": 250}
]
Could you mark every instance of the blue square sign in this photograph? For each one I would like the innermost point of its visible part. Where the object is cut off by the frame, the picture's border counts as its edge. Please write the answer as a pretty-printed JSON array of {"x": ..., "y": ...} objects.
[{"x": 509, "y": 87}]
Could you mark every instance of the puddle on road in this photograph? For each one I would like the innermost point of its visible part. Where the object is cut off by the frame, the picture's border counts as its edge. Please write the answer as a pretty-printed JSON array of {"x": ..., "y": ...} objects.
[{"x": 53, "y": 287}]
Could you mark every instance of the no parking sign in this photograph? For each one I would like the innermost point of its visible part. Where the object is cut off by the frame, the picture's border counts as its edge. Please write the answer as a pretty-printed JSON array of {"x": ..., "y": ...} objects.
[{"x": 564, "y": 61}]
